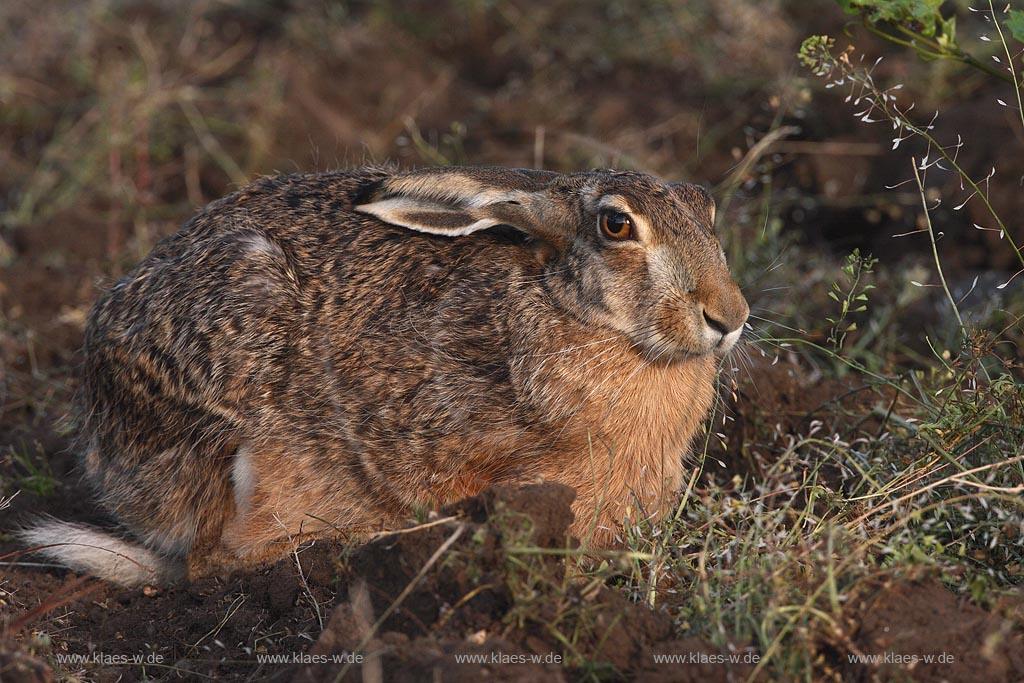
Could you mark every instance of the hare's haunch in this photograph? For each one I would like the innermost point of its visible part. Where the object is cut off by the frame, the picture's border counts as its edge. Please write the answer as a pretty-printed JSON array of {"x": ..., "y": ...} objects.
[{"x": 327, "y": 352}]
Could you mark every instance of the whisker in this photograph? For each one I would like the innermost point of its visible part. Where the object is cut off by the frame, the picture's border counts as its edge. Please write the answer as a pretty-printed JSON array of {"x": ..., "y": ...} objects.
[{"x": 778, "y": 324}]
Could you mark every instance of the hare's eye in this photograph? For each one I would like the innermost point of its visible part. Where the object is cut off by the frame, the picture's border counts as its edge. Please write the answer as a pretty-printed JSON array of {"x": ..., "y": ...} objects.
[{"x": 616, "y": 226}]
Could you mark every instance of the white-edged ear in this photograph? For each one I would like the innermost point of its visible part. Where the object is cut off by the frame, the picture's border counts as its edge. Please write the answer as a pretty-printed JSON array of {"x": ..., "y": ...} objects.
[
  {"x": 427, "y": 216},
  {"x": 454, "y": 201}
]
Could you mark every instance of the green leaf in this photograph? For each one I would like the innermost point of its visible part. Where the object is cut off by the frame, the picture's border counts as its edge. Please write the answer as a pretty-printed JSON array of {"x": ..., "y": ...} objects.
[
  {"x": 1016, "y": 24},
  {"x": 922, "y": 16},
  {"x": 898, "y": 10},
  {"x": 847, "y": 6},
  {"x": 947, "y": 37}
]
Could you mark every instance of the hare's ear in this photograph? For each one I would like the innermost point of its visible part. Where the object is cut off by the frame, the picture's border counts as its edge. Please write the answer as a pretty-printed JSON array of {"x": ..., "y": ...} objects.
[
  {"x": 460, "y": 201},
  {"x": 698, "y": 199}
]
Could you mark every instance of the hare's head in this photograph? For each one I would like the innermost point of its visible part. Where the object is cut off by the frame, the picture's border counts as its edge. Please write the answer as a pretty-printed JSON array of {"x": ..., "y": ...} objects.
[{"x": 623, "y": 250}]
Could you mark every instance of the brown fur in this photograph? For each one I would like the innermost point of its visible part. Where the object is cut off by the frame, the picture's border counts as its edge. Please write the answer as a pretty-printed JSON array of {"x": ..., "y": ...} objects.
[{"x": 302, "y": 357}]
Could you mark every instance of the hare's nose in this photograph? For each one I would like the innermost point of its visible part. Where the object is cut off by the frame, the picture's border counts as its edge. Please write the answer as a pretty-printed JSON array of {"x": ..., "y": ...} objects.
[
  {"x": 715, "y": 324},
  {"x": 724, "y": 317}
]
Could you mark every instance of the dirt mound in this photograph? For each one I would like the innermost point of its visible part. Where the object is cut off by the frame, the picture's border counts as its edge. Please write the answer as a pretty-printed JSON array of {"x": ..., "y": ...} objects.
[
  {"x": 922, "y": 629},
  {"x": 485, "y": 595}
]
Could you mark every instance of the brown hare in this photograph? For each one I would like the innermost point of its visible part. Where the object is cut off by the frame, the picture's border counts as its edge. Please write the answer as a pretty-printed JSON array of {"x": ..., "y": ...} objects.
[{"x": 327, "y": 352}]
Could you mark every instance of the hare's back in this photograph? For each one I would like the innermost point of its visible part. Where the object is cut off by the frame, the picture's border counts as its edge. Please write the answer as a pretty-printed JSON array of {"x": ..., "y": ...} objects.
[
  {"x": 213, "y": 310},
  {"x": 278, "y": 302}
]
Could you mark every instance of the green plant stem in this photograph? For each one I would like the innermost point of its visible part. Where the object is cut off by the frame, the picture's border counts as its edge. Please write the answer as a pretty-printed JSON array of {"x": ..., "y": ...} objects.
[
  {"x": 955, "y": 54},
  {"x": 883, "y": 104},
  {"x": 935, "y": 248},
  {"x": 970, "y": 181},
  {"x": 936, "y": 51},
  {"x": 1009, "y": 60},
  {"x": 894, "y": 115},
  {"x": 906, "y": 43}
]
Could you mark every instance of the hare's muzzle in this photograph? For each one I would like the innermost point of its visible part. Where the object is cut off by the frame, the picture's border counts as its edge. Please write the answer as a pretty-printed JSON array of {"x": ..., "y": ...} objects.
[{"x": 725, "y": 311}]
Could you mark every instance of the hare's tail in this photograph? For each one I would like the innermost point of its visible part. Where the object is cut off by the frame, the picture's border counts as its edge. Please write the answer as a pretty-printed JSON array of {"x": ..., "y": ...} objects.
[{"x": 102, "y": 554}]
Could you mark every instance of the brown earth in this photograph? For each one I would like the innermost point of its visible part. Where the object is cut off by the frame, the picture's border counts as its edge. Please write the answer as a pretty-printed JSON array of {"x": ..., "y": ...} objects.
[
  {"x": 478, "y": 597},
  {"x": 398, "y": 608},
  {"x": 908, "y": 620}
]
